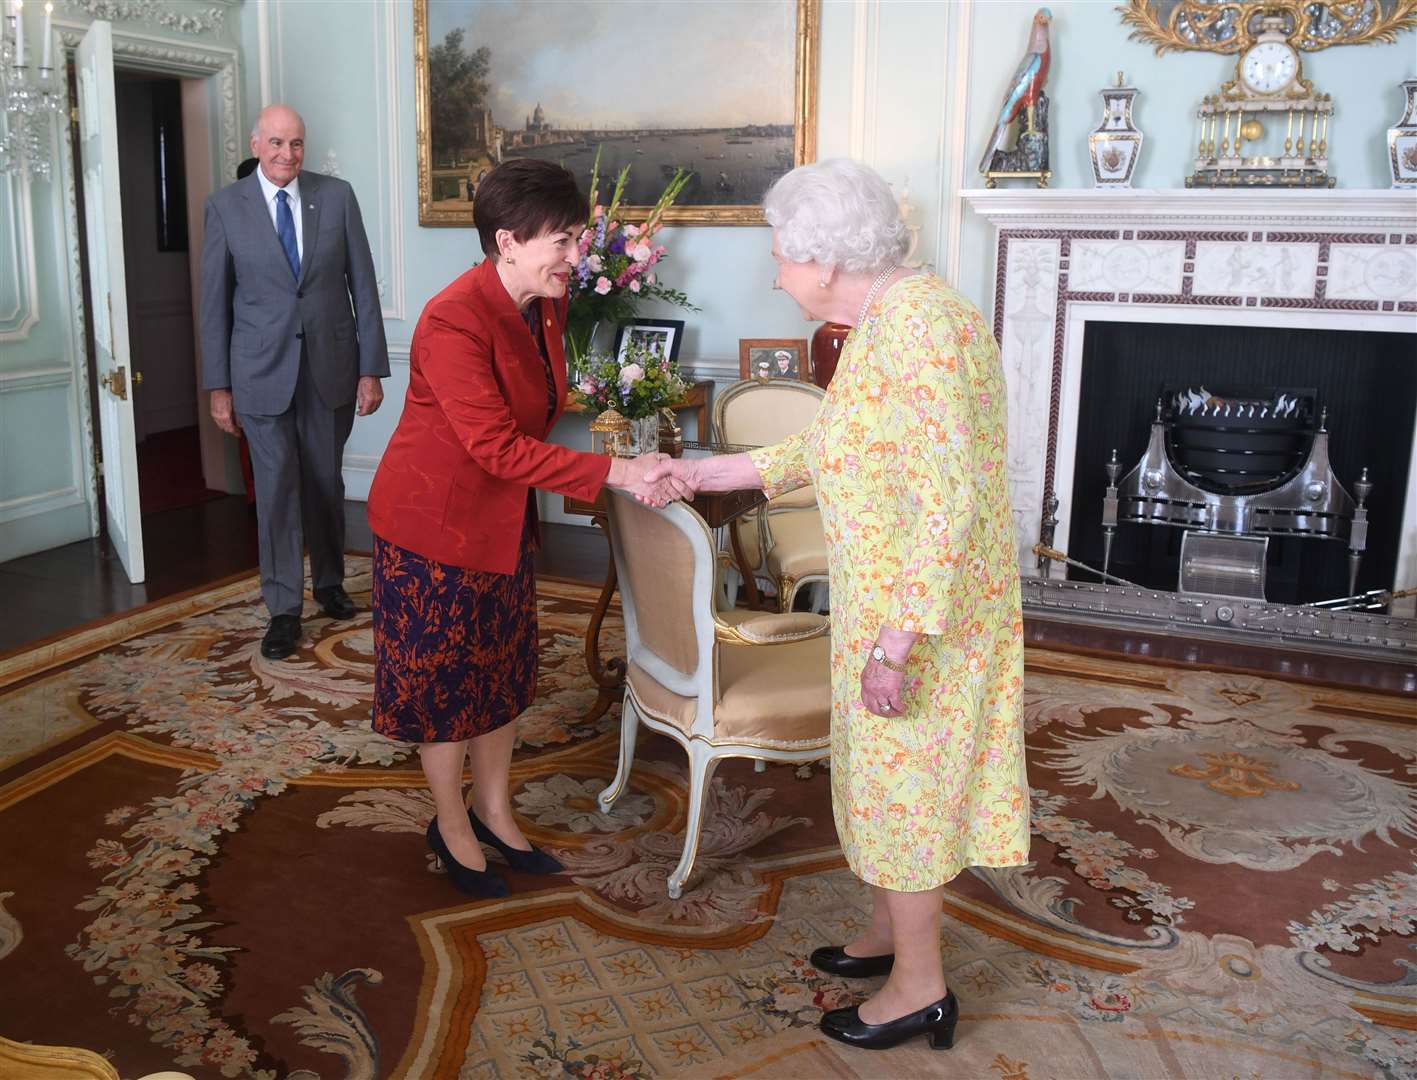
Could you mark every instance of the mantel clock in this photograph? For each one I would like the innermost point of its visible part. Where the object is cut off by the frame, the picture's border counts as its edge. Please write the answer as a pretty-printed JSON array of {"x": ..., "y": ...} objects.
[{"x": 1269, "y": 98}]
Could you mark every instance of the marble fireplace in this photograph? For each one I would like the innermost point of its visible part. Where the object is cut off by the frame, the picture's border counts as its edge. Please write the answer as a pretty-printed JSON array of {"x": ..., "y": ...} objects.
[{"x": 1329, "y": 260}]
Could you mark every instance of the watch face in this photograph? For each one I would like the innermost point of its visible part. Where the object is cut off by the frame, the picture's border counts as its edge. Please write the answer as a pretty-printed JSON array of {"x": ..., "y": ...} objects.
[{"x": 1269, "y": 67}]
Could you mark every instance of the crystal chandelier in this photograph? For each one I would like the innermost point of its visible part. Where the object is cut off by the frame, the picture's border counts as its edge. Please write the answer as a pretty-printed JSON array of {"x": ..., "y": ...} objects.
[{"x": 31, "y": 96}]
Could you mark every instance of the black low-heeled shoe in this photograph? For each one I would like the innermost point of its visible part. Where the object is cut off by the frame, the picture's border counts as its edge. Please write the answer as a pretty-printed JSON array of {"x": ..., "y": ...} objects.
[
  {"x": 937, "y": 1021},
  {"x": 335, "y": 602},
  {"x": 485, "y": 883},
  {"x": 534, "y": 861},
  {"x": 835, "y": 960}
]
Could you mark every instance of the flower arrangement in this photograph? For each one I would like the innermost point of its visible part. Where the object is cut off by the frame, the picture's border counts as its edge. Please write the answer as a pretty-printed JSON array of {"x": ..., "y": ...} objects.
[
  {"x": 637, "y": 384},
  {"x": 616, "y": 268}
]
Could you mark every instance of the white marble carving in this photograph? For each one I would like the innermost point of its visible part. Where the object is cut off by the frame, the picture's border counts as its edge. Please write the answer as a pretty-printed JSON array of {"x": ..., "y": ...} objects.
[
  {"x": 1104, "y": 266},
  {"x": 330, "y": 166},
  {"x": 1248, "y": 269},
  {"x": 185, "y": 18},
  {"x": 1030, "y": 309},
  {"x": 1365, "y": 272}
]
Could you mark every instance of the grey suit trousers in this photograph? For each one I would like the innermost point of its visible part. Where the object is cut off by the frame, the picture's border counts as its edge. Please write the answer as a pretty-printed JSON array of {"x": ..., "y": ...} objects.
[{"x": 296, "y": 459}]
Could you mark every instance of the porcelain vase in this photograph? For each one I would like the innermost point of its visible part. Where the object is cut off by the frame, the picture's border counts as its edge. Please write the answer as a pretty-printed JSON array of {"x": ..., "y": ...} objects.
[
  {"x": 1116, "y": 142},
  {"x": 1402, "y": 141}
]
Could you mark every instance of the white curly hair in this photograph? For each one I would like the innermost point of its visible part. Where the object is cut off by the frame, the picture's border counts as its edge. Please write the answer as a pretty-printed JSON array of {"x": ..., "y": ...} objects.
[{"x": 836, "y": 213}]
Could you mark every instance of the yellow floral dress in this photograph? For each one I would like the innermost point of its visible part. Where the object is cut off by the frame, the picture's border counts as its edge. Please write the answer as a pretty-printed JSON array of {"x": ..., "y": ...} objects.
[{"x": 907, "y": 454}]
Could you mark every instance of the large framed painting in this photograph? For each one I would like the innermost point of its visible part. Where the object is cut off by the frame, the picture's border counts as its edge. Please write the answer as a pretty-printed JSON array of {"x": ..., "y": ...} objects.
[{"x": 725, "y": 91}]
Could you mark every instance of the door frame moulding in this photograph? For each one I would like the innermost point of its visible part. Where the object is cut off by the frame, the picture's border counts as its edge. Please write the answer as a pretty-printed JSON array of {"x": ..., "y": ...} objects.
[{"x": 164, "y": 56}]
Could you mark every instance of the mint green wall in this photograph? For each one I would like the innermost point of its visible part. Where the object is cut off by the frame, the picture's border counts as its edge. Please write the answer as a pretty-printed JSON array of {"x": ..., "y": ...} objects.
[
  {"x": 890, "y": 93},
  {"x": 1090, "y": 45}
]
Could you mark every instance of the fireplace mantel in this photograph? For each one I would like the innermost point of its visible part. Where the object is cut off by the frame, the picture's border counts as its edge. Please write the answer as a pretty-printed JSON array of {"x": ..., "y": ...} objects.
[
  {"x": 1310, "y": 259},
  {"x": 1308, "y": 209}
]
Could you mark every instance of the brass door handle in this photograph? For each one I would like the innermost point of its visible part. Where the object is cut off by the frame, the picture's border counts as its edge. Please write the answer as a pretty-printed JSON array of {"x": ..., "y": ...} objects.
[
  {"x": 137, "y": 378},
  {"x": 116, "y": 382}
]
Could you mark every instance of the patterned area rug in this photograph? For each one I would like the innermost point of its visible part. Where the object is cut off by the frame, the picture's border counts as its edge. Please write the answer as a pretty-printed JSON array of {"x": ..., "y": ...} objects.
[{"x": 209, "y": 861}]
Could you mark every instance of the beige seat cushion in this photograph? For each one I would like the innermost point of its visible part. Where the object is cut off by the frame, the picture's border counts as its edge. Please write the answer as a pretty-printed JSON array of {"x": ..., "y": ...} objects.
[
  {"x": 771, "y": 695},
  {"x": 799, "y": 549}
]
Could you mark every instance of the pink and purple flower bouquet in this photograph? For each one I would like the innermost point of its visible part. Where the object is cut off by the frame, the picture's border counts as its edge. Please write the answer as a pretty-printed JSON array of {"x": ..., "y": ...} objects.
[{"x": 617, "y": 265}]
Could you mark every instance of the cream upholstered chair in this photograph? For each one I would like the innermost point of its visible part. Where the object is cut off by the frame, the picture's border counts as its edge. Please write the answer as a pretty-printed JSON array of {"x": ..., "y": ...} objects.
[
  {"x": 721, "y": 684},
  {"x": 784, "y": 540}
]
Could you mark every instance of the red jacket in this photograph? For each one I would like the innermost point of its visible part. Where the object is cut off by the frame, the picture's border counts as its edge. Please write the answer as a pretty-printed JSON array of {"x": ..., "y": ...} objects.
[{"x": 452, "y": 484}]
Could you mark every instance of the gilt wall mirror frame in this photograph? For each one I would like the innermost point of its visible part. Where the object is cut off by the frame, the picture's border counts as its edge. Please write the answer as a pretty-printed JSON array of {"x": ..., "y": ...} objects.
[
  {"x": 734, "y": 99},
  {"x": 1225, "y": 26}
]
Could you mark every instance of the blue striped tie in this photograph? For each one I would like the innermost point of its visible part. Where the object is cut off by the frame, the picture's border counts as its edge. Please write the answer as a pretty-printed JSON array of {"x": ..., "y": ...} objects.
[{"x": 285, "y": 229}]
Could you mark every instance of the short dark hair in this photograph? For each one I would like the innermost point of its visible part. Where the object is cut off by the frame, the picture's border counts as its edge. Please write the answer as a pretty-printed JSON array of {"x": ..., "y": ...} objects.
[
  {"x": 529, "y": 197},
  {"x": 247, "y": 167}
]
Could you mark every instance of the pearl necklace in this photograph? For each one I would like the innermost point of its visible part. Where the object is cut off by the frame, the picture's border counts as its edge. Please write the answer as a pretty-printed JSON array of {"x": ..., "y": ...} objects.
[{"x": 875, "y": 288}]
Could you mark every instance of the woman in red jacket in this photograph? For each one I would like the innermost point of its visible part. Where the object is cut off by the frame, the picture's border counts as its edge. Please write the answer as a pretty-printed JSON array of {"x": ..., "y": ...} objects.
[{"x": 454, "y": 514}]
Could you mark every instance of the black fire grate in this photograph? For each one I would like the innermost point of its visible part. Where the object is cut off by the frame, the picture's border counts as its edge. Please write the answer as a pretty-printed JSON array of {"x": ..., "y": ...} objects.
[{"x": 1240, "y": 441}]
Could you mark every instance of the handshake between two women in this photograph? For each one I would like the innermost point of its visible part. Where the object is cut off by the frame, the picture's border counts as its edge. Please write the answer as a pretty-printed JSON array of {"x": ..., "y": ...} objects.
[
  {"x": 654, "y": 479},
  {"x": 658, "y": 479}
]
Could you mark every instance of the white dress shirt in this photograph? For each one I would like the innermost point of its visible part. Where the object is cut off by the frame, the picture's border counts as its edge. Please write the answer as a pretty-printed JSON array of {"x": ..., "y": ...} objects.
[{"x": 293, "y": 190}]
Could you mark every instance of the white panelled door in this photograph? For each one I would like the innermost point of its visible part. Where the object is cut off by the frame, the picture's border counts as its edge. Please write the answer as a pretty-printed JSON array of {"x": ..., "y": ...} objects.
[{"x": 103, "y": 217}]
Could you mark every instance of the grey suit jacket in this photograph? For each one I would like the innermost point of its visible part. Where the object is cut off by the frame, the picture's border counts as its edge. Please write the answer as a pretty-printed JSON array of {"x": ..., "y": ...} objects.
[{"x": 254, "y": 314}]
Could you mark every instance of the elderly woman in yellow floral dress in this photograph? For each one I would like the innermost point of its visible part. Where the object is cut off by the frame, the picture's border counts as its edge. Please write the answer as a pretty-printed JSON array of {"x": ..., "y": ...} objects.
[{"x": 907, "y": 455}]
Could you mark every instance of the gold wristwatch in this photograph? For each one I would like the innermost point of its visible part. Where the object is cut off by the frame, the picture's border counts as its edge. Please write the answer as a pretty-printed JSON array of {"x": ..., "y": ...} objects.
[{"x": 878, "y": 654}]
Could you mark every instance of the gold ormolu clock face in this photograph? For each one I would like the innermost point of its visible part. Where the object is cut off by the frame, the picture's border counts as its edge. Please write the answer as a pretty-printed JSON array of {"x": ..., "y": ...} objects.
[{"x": 1269, "y": 67}]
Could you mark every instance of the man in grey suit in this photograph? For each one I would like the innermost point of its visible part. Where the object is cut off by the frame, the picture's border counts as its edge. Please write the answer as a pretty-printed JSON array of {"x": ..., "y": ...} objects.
[{"x": 292, "y": 349}]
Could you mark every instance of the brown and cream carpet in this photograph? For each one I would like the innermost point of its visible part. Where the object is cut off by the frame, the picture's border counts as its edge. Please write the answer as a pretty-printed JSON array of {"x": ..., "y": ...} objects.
[{"x": 209, "y": 862}]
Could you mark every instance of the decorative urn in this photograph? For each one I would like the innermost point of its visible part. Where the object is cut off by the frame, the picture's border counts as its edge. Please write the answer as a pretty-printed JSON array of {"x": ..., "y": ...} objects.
[
  {"x": 1402, "y": 141},
  {"x": 1115, "y": 143}
]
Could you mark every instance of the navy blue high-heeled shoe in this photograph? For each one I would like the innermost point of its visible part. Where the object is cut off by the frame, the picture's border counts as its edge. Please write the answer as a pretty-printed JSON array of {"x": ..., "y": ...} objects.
[
  {"x": 485, "y": 883},
  {"x": 534, "y": 861},
  {"x": 937, "y": 1021}
]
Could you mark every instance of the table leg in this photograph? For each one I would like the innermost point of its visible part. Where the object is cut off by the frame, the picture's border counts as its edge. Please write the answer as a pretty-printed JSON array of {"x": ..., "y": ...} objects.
[
  {"x": 610, "y": 675},
  {"x": 745, "y": 569}
]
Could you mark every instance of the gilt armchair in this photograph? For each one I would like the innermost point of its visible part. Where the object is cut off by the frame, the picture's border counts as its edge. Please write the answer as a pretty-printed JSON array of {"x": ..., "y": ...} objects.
[
  {"x": 720, "y": 684},
  {"x": 784, "y": 540}
]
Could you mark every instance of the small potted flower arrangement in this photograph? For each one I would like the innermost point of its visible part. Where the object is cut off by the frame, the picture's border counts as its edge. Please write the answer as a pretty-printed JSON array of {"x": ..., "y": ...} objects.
[
  {"x": 617, "y": 265},
  {"x": 636, "y": 385}
]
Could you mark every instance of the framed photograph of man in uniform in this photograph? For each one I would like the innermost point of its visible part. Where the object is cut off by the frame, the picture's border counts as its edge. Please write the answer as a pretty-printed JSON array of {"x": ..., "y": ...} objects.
[
  {"x": 735, "y": 101},
  {"x": 661, "y": 335},
  {"x": 773, "y": 358}
]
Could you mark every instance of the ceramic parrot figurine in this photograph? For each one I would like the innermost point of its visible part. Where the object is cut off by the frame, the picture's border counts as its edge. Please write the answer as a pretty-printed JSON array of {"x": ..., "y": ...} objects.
[{"x": 1025, "y": 86}]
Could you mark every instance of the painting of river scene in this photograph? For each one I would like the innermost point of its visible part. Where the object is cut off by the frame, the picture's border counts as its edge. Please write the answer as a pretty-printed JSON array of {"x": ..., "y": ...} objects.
[{"x": 733, "y": 99}]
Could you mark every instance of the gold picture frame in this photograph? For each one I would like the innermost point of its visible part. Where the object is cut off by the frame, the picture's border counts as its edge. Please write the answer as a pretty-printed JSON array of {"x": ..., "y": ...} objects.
[
  {"x": 438, "y": 208},
  {"x": 774, "y": 358}
]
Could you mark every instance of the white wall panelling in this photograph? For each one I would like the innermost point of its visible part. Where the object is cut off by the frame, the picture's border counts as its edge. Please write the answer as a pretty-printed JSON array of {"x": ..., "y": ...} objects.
[
  {"x": 954, "y": 161},
  {"x": 35, "y": 404},
  {"x": 391, "y": 142},
  {"x": 263, "y": 47},
  {"x": 19, "y": 288}
]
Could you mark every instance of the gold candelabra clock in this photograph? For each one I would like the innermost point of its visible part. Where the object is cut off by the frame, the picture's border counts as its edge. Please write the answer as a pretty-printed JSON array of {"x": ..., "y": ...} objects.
[{"x": 1267, "y": 126}]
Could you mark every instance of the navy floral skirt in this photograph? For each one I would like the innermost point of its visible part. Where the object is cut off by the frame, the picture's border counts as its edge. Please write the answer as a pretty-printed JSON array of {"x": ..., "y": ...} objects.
[{"x": 455, "y": 650}]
